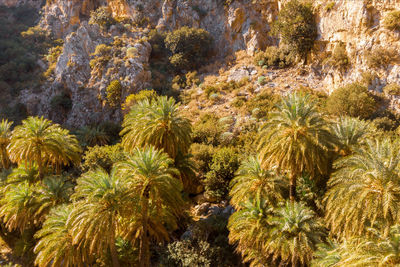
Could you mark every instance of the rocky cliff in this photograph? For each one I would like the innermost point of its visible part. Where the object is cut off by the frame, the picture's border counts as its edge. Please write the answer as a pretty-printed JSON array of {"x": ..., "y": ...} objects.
[{"x": 234, "y": 25}]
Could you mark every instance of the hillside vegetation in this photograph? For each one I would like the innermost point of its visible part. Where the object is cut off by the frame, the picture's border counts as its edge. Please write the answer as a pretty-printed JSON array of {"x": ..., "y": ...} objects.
[{"x": 236, "y": 160}]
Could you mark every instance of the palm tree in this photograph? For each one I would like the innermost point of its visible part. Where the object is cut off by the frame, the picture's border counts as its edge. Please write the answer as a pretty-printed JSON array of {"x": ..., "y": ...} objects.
[
  {"x": 24, "y": 173},
  {"x": 5, "y": 136},
  {"x": 328, "y": 254},
  {"x": 361, "y": 251},
  {"x": 100, "y": 200},
  {"x": 248, "y": 229},
  {"x": 53, "y": 191},
  {"x": 365, "y": 190},
  {"x": 295, "y": 234},
  {"x": 350, "y": 133},
  {"x": 55, "y": 246},
  {"x": 91, "y": 136},
  {"x": 295, "y": 139},
  {"x": 152, "y": 181},
  {"x": 39, "y": 141},
  {"x": 158, "y": 123},
  {"x": 19, "y": 206},
  {"x": 254, "y": 183}
]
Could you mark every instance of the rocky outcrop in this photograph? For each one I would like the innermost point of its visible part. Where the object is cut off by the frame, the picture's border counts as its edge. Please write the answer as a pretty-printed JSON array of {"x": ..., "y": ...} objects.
[
  {"x": 75, "y": 78},
  {"x": 15, "y": 3}
]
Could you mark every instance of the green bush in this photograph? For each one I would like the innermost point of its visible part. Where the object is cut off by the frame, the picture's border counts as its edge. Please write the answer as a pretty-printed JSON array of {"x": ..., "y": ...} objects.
[
  {"x": 103, "y": 17},
  {"x": 101, "y": 56},
  {"x": 113, "y": 91},
  {"x": 223, "y": 167},
  {"x": 297, "y": 28},
  {"x": 135, "y": 98},
  {"x": 352, "y": 100},
  {"x": 329, "y": 6},
  {"x": 275, "y": 57},
  {"x": 339, "y": 58},
  {"x": 202, "y": 156},
  {"x": 102, "y": 156},
  {"x": 380, "y": 57},
  {"x": 189, "y": 47},
  {"x": 392, "y": 89},
  {"x": 391, "y": 20},
  {"x": 208, "y": 130},
  {"x": 62, "y": 100}
]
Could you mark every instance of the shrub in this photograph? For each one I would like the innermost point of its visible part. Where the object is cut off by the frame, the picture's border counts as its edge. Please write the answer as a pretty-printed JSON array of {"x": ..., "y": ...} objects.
[
  {"x": 202, "y": 156},
  {"x": 275, "y": 57},
  {"x": 385, "y": 123},
  {"x": 102, "y": 16},
  {"x": 135, "y": 98},
  {"x": 52, "y": 58},
  {"x": 392, "y": 89},
  {"x": 297, "y": 28},
  {"x": 339, "y": 56},
  {"x": 189, "y": 47},
  {"x": 102, "y": 156},
  {"x": 391, "y": 20},
  {"x": 329, "y": 6},
  {"x": 379, "y": 57},
  {"x": 131, "y": 52},
  {"x": 207, "y": 130},
  {"x": 223, "y": 168},
  {"x": 102, "y": 55},
  {"x": 352, "y": 100},
  {"x": 61, "y": 101},
  {"x": 113, "y": 91},
  {"x": 262, "y": 80}
]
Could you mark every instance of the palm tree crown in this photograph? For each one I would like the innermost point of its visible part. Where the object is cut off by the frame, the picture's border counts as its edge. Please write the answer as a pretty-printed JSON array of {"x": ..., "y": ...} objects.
[
  {"x": 350, "y": 133},
  {"x": 55, "y": 246},
  {"x": 151, "y": 179},
  {"x": 254, "y": 183},
  {"x": 295, "y": 234},
  {"x": 365, "y": 190},
  {"x": 100, "y": 199},
  {"x": 157, "y": 123},
  {"x": 5, "y": 136},
  {"x": 39, "y": 141},
  {"x": 295, "y": 139}
]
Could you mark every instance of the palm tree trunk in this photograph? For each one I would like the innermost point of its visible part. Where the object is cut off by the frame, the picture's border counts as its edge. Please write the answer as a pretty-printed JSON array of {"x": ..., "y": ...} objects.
[
  {"x": 40, "y": 164},
  {"x": 113, "y": 251},
  {"x": 144, "y": 242},
  {"x": 4, "y": 159},
  {"x": 292, "y": 188}
]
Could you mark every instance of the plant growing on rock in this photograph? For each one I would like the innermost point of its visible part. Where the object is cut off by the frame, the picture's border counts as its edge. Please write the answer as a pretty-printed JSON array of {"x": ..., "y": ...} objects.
[
  {"x": 103, "y": 17},
  {"x": 391, "y": 20},
  {"x": 297, "y": 28},
  {"x": 189, "y": 47},
  {"x": 113, "y": 92},
  {"x": 351, "y": 100}
]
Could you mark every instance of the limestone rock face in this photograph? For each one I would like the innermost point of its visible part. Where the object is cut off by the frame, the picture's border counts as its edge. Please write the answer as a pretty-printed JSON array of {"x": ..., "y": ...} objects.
[
  {"x": 74, "y": 77},
  {"x": 240, "y": 25},
  {"x": 16, "y": 3}
]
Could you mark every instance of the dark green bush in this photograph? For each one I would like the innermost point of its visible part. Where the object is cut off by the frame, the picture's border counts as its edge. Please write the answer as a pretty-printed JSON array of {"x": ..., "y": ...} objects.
[
  {"x": 202, "y": 156},
  {"x": 297, "y": 28},
  {"x": 103, "y": 17},
  {"x": 275, "y": 57},
  {"x": 339, "y": 58},
  {"x": 102, "y": 156},
  {"x": 223, "y": 167},
  {"x": 391, "y": 20},
  {"x": 207, "y": 130},
  {"x": 189, "y": 47},
  {"x": 392, "y": 89},
  {"x": 62, "y": 101},
  {"x": 380, "y": 57},
  {"x": 113, "y": 92},
  {"x": 352, "y": 100}
]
